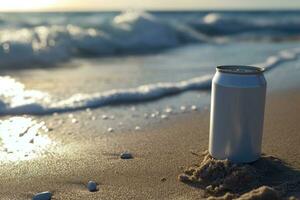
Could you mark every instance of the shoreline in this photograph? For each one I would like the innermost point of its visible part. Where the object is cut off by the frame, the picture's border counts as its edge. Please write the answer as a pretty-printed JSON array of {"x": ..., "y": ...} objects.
[{"x": 161, "y": 152}]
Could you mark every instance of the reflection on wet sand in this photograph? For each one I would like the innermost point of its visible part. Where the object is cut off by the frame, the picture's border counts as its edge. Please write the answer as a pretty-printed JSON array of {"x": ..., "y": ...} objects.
[{"x": 22, "y": 138}]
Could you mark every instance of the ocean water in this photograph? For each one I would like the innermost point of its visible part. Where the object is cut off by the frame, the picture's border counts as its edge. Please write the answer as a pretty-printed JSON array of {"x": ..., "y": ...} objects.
[
  {"x": 132, "y": 67},
  {"x": 184, "y": 41}
]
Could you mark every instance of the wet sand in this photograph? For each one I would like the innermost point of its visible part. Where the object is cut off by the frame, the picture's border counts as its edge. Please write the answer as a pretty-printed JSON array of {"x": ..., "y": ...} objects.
[{"x": 161, "y": 152}]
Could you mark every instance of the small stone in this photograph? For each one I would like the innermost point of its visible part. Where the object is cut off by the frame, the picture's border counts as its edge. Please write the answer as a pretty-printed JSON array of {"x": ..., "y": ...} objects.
[
  {"x": 74, "y": 121},
  {"x": 31, "y": 141},
  {"x": 110, "y": 130},
  {"x": 182, "y": 108},
  {"x": 163, "y": 179},
  {"x": 93, "y": 118},
  {"x": 137, "y": 128},
  {"x": 146, "y": 115},
  {"x": 153, "y": 115},
  {"x": 104, "y": 117},
  {"x": 112, "y": 117},
  {"x": 126, "y": 155},
  {"x": 92, "y": 186},
  {"x": 193, "y": 107},
  {"x": 168, "y": 110},
  {"x": 164, "y": 116},
  {"x": 70, "y": 115},
  {"x": 42, "y": 196}
]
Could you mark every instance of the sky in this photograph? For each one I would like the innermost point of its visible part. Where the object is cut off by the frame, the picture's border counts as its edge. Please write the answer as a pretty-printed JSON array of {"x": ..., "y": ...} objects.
[{"x": 83, "y": 5}]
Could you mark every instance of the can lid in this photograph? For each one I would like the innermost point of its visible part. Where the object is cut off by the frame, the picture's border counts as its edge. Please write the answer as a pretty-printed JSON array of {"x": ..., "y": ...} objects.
[{"x": 240, "y": 69}]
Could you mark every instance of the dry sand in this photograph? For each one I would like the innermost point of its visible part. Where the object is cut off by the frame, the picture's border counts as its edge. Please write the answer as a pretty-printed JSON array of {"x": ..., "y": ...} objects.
[{"x": 161, "y": 152}]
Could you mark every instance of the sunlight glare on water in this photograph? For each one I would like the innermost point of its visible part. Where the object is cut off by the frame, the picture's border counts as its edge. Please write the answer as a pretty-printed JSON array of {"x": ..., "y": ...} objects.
[{"x": 21, "y": 138}]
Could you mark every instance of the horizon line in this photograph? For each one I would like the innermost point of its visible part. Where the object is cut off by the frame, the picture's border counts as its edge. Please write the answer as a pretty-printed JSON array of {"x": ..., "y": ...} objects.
[{"x": 150, "y": 10}]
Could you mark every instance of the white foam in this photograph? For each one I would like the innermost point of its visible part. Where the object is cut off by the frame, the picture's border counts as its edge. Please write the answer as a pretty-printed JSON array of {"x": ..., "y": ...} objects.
[{"x": 16, "y": 99}]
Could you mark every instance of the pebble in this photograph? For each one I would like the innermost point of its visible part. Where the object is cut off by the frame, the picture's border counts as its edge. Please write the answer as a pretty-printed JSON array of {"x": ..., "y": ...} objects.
[
  {"x": 183, "y": 108},
  {"x": 168, "y": 110},
  {"x": 42, "y": 196},
  {"x": 112, "y": 117},
  {"x": 92, "y": 186},
  {"x": 74, "y": 121},
  {"x": 137, "y": 128},
  {"x": 110, "y": 130},
  {"x": 104, "y": 117},
  {"x": 93, "y": 118},
  {"x": 193, "y": 107},
  {"x": 153, "y": 115},
  {"x": 164, "y": 116},
  {"x": 126, "y": 155},
  {"x": 70, "y": 115},
  {"x": 31, "y": 141}
]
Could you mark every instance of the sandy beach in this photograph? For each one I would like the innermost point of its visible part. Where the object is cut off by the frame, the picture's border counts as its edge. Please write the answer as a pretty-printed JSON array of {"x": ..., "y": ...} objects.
[{"x": 161, "y": 151}]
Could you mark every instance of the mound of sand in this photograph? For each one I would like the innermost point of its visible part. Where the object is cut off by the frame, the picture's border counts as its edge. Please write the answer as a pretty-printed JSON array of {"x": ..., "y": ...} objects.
[{"x": 267, "y": 178}]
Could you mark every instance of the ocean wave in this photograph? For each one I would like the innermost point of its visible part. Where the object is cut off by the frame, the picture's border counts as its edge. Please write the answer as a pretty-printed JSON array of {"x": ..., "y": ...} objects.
[
  {"x": 16, "y": 99},
  {"x": 30, "y": 40},
  {"x": 127, "y": 33},
  {"x": 271, "y": 26}
]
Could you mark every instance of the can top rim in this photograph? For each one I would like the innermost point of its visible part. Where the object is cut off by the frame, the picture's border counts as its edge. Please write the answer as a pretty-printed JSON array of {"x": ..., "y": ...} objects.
[{"x": 240, "y": 69}]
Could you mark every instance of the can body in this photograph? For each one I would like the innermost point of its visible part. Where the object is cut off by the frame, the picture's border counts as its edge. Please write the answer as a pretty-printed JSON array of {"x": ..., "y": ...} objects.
[{"x": 237, "y": 113}]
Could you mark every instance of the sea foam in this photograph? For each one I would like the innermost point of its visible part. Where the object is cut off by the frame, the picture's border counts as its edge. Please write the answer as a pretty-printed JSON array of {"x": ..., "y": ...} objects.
[{"x": 16, "y": 99}]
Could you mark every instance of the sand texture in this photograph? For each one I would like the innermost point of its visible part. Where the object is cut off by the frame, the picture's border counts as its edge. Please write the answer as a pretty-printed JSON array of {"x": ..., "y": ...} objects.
[
  {"x": 160, "y": 152},
  {"x": 266, "y": 178}
]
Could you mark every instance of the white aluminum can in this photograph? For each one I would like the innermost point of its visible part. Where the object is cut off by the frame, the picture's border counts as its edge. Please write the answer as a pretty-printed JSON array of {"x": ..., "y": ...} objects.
[{"x": 237, "y": 113}]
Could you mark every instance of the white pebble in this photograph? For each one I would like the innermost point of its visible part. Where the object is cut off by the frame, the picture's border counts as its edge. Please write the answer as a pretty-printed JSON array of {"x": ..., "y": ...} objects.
[
  {"x": 168, "y": 110},
  {"x": 193, "y": 107},
  {"x": 153, "y": 115},
  {"x": 93, "y": 118},
  {"x": 110, "y": 130},
  {"x": 92, "y": 186},
  {"x": 126, "y": 155},
  {"x": 42, "y": 196},
  {"x": 137, "y": 128},
  {"x": 74, "y": 121},
  {"x": 88, "y": 110},
  {"x": 183, "y": 108},
  {"x": 164, "y": 116},
  {"x": 104, "y": 117},
  {"x": 112, "y": 117},
  {"x": 70, "y": 115}
]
